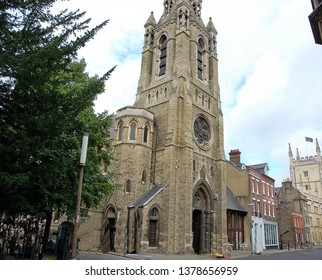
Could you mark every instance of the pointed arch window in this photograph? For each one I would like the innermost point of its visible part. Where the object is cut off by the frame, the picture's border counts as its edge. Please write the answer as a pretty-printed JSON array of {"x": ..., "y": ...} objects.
[
  {"x": 128, "y": 186},
  {"x": 120, "y": 131},
  {"x": 132, "y": 131},
  {"x": 200, "y": 58},
  {"x": 163, "y": 55},
  {"x": 145, "y": 134},
  {"x": 165, "y": 92},
  {"x": 143, "y": 179}
]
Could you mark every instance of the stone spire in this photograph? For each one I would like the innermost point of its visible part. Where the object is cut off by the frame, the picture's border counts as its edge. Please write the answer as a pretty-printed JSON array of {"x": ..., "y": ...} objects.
[
  {"x": 213, "y": 37},
  {"x": 290, "y": 154},
  {"x": 297, "y": 154},
  {"x": 151, "y": 21},
  {"x": 318, "y": 150},
  {"x": 149, "y": 31}
]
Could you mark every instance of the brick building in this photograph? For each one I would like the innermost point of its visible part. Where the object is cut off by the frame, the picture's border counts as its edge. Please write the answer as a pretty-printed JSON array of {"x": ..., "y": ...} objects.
[
  {"x": 255, "y": 190},
  {"x": 292, "y": 215}
]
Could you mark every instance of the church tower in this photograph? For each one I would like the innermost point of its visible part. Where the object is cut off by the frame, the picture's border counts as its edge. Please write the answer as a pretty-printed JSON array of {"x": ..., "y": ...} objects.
[
  {"x": 305, "y": 173},
  {"x": 169, "y": 146}
]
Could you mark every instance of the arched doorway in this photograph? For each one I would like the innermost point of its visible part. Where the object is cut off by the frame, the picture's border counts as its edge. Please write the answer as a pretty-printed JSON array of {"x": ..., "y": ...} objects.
[
  {"x": 202, "y": 220},
  {"x": 153, "y": 227},
  {"x": 108, "y": 242}
]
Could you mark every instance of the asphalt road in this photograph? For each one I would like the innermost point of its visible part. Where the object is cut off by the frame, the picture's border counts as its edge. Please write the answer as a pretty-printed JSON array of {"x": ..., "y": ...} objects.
[{"x": 310, "y": 254}]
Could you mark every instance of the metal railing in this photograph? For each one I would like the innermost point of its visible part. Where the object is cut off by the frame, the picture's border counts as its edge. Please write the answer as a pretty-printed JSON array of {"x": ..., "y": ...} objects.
[{"x": 20, "y": 239}]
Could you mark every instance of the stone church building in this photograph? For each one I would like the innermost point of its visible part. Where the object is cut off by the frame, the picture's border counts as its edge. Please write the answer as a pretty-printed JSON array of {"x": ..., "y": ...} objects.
[{"x": 168, "y": 146}]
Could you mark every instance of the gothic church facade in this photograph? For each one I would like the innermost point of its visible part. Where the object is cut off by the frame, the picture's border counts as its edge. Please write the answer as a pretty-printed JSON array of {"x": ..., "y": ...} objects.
[{"x": 169, "y": 146}]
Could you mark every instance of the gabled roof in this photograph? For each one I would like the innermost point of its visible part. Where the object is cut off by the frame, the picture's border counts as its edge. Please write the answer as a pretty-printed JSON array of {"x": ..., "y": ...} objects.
[
  {"x": 233, "y": 203},
  {"x": 147, "y": 196}
]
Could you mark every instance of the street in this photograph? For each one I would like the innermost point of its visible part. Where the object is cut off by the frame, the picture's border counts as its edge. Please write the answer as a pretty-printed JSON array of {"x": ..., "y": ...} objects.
[{"x": 309, "y": 254}]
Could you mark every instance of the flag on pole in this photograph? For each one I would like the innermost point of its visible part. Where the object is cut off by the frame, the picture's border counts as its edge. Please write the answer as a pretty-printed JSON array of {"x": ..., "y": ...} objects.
[{"x": 309, "y": 139}]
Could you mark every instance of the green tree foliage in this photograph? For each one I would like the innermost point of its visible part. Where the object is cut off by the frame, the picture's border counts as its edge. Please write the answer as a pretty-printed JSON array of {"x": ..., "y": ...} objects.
[{"x": 46, "y": 103}]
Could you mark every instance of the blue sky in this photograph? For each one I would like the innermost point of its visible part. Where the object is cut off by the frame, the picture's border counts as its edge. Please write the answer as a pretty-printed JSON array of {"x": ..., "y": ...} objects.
[{"x": 270, "y": 70}]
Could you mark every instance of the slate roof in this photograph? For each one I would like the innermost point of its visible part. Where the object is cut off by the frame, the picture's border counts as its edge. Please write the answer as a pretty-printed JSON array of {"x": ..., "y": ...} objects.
[
  {"x": 260, "y": 167},
  {"x": 233, "y": 203},
  {"x": 147, "y": 196}
]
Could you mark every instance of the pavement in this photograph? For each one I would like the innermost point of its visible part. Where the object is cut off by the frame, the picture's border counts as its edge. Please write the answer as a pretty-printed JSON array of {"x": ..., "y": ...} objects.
[{"x": 235, "y": 254}]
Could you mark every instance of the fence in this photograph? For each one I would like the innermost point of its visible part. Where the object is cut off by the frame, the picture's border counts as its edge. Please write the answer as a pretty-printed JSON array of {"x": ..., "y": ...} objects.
[{"x": 21, "y": 239}]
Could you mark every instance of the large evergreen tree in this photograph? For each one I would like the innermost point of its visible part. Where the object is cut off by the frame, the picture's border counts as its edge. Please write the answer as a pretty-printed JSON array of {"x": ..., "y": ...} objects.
[{"x": 46, "y": 103}]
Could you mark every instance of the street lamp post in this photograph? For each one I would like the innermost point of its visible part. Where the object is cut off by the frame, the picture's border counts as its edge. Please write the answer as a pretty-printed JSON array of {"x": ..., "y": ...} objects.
[{"x": 79, "y": 192}]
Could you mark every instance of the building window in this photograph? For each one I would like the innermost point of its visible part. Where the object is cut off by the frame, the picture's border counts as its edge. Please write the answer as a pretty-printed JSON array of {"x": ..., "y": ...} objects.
[
  {"x": 253, "y": 185},
  {"x": 273, "y": 210},
  {"x": 128, "y": 187},
  {"x": 163, "y": 55},
  {"x": 120, "y": 131},
  {"x": 264, "y": 188},
  {"x": 316, "y": 210},
  {"x": 267, "y": 190},
  {"x": 143, "y": 178},
  {"x": 309, "y": 208},
  {"x": 199, "y": 58},
  {"x": 145, "y": 134},
  {"x": 306, "y": 173},
  {"x": 257, "y": 186},
  {"x": 132, "y": 131},
  {"x": 270, "y": 233}
]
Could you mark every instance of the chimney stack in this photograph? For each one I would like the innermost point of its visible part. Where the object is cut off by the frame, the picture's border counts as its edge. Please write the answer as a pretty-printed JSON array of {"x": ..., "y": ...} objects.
[{"x": 234, "y": 156}]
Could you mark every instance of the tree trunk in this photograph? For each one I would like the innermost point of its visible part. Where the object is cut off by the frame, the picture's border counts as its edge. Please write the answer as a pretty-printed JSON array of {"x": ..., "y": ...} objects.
[{"x": 49, "y": 215}]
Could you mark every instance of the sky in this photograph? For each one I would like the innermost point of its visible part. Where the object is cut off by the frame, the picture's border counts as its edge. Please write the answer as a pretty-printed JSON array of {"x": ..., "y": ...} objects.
[{"x": 270, "y": 70}]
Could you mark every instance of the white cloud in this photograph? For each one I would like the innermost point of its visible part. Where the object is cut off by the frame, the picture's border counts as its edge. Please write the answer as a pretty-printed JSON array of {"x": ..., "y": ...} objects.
[{"x": 270, "y": 70}]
